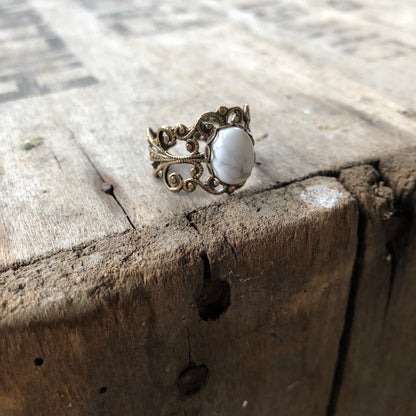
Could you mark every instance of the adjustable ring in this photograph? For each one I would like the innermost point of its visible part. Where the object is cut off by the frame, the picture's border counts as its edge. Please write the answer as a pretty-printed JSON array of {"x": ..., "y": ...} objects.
[{"x": 228, "y": 151}]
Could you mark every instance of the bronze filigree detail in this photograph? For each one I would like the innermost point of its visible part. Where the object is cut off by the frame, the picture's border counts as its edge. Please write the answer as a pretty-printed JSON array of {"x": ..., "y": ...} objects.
[{"x": 204, "y": 129}]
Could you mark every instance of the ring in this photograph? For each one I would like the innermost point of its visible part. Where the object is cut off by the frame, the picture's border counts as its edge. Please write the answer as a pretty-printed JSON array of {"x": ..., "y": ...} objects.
[{"x": 221, "y": 140}]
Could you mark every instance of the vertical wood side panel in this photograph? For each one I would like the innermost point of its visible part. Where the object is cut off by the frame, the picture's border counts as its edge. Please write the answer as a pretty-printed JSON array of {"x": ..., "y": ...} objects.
[{"x": 379, "y": 375}]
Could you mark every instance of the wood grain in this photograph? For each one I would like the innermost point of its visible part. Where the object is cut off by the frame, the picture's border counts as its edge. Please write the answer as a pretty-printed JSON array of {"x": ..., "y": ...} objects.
[
  {"x": 378, "y": 375},
  {"x": 87, "y": 332},
  {"x": 315, "y": 119},
  {"x": 281, "y": 299},
  {"x": 116, "y": 324},
  {"x": 286, "y": 349},
  {"x": 372, "y": 45},
  {"x": 50, "y": 197}
]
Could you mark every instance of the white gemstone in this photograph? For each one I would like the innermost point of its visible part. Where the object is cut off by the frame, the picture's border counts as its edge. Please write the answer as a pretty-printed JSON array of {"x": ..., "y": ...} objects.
[{"x": 232, "y": 155}]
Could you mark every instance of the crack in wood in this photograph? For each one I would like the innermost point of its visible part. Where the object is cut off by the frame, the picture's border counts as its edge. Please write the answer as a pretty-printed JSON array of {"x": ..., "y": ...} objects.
[
  {"x": 207, "y": 266},
  {"x": 204, "y": 254},
  {"x": 348, "y": 320},
  {"x": 391, "y": 256},
  {"x": 103, "y": 181},
  {"x": 231, "y": 247},
  {"x": 188, "y": 337},
  {"x": 191, "y": 222},
  {"x": 57, "y": 160}
]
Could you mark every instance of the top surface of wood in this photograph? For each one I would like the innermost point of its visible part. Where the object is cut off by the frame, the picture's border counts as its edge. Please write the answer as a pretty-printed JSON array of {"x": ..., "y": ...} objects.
[{"x": 80, "y": 83}]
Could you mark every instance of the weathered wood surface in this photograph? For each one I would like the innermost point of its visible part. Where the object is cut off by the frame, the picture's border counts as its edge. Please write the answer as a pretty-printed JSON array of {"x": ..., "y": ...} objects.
[
  {"x": 379, "y": 375},
  {"x": 270, "y": 351},
  {"x": 104, "y": 298},
  {"x": 50, "y": 195},
  {"x": 373, "y": 44},
  {"x": 283, "y": 347},
  {"x": 315, "y": 119}
]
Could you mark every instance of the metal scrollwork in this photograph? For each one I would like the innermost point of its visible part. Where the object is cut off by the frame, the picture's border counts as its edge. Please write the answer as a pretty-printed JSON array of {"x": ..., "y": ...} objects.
[{"x": 204, "y": 129}]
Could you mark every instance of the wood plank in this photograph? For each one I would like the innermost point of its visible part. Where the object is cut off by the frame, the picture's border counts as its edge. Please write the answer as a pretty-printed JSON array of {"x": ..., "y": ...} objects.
[
  {"x": 50, "y": 197},
  {"x": 386, "y": 13},
  {"x": 315, "y": 119},
  {"x": 89, "y": 339},
  {"x": 373, "y": 44},
  {"x": 310, "y": 127},
  {"x": 377, "y": 376}
]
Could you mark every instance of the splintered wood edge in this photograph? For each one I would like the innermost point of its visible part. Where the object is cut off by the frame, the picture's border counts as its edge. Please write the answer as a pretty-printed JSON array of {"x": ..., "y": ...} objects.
[{"x": 75, "y": 282}]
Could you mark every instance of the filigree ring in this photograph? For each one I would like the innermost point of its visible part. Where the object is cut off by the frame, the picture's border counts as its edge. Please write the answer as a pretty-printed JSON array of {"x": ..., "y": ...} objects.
[{"x": 228, "y": 153}]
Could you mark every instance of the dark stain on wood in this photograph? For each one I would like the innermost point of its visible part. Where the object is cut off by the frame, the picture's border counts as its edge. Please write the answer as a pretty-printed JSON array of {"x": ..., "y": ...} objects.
[
  {"x": 192, "y": 379},
  {"x": 214, "y": 299}
]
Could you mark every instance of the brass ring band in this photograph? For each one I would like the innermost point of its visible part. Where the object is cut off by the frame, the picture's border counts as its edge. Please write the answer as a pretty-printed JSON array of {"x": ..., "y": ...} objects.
[{"x": 228, "y": 125}]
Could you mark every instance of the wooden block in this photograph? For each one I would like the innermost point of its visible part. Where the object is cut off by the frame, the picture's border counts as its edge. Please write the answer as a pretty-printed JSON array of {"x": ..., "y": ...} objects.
[
  {"x": 377, "y": 372},
  {"x": 140, "y": 335},
  {"x": 315, "y": 119},
  {"x": 107, "y": 293}
]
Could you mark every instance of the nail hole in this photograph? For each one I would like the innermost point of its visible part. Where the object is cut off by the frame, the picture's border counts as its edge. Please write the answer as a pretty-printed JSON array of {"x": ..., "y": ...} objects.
[
  {"x": 214, "y": 299},
  {"x": 192, "y": 379},
  {"x": 103, "y": 390},
  {"x": 38, "y": 361},
  {"x": 108, "y": 188}
]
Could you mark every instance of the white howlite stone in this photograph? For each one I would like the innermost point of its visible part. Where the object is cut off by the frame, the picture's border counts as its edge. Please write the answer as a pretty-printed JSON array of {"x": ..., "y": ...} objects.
[{"x": 232, "y": 155}]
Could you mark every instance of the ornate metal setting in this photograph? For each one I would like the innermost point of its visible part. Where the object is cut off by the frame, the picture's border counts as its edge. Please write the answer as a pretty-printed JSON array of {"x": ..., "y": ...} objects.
[{"x": 204, "y": 129}]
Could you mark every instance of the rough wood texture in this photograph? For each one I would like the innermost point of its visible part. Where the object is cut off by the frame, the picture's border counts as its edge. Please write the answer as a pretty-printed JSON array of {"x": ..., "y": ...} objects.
[
  {"x": 287, "y": 345},
  {"x": 94, "y": 328},
  {"x": 106, "y": 299},
  {"x": 113, "y": 326},
  {"x": 371, "y": 44},
  {"x": 378, "y": 375},
  {"x": 50, "y": 196},
  {"x": 316, "y": 119}
]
